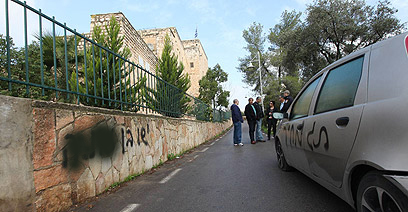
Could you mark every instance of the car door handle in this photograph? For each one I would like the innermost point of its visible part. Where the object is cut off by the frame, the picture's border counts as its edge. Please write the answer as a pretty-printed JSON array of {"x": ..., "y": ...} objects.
[
  {"x": 343, "y": 121},
  {"x": 300, "y": 127}
]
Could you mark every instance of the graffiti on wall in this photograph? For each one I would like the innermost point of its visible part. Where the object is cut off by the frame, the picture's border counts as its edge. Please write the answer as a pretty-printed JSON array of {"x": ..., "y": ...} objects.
[{"x": 100, "y": 140}]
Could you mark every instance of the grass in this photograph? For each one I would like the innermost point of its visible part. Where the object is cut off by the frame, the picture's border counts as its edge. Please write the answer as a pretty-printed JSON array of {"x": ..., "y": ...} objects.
[{"x": 127, "y": 179}]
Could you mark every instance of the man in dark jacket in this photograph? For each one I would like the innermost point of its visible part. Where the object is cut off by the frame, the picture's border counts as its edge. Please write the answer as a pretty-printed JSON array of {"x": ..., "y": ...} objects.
[
  {"x": 284, "y": 106},
  {"x": 259, "y": 117},
  {"x": 237, "y": 120},
  {"x": 250, "y": 114},
  {"x": 270, "y": 119},
  {"x": 288, "y": 98}
]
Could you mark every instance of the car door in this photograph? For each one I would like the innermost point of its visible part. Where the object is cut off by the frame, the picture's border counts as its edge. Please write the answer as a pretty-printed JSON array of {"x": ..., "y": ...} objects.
[
  {"x": 293, "y": 134},
  {"x": 331, "y": 130}
]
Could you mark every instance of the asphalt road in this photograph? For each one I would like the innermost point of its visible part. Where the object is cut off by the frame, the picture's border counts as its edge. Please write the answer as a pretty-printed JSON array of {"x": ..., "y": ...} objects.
[{"x": 220, "y": 177}]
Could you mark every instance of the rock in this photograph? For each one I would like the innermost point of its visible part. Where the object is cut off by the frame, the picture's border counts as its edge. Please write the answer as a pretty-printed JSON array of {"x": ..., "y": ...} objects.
[
  {"x": 50, "y": 177},
  {"x": 62, "y": 142},
  {"x": 117, "y": 157},
  {"x": 115, "y": 175},
  {"x": 100, "y": 183},
  {"x": 149, "y": 162},
  {"x": 108, "y": 179},
  {"x": 57, "y": 198},
  {"x": 95, "y": 165},
  {"x": 85, "y": 186},
  {"x": 86, "y": 122},
  {"x": 44, "y": 137},
  {"x": 106, "y": 165},
  {"x": 63, "y": 117},
  {"x": 120, "y": 120},
  {"x": 124, "y": 171}
]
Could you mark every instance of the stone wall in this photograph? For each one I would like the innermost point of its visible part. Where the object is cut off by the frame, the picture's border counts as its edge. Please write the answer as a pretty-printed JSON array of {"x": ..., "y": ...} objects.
[{"x": 53, "y": 155}]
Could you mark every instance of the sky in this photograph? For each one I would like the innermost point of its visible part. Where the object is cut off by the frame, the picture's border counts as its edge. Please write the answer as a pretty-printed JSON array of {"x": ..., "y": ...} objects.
[{"x": 219, "y": 23}]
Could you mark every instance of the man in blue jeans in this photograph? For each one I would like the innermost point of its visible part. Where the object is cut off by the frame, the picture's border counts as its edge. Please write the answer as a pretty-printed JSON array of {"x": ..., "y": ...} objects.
[
  {"x": 237, "y": 120},
  {"x": 259, "y": 117}
]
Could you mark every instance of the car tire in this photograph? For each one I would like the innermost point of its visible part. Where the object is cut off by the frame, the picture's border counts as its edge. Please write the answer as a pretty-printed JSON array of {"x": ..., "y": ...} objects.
[
  {"x": 376, "y": 193},
  {"x": 282, "y": 164}
]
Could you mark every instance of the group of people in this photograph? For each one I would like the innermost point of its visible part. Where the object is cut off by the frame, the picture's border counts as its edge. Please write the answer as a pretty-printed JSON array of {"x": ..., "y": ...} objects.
[{"x": 254, "y": 114}]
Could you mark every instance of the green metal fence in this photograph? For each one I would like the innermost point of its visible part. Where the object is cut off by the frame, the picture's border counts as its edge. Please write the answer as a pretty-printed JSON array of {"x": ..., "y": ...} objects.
[{"x": 75, "y": 69}]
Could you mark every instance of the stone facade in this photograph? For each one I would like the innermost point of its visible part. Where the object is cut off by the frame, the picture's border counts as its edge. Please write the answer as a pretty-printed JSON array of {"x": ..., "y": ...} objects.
[
  {"x": 190, "y": 52},
  {"x": 147, "y": 46},
  {"x": 54, "y": 155},
  {"x": 141, "y": 53},
  {"x": 197, "y": 63}
]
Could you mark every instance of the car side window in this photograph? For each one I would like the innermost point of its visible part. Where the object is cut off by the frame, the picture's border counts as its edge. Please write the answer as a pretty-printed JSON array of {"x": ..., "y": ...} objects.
[
  {"x": 340, "y": 87},
  {"x": 301, "y": 107}
]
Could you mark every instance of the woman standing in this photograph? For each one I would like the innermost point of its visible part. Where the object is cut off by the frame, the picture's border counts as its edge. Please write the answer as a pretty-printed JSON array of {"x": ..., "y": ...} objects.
[{"x": 270, "y": 120}]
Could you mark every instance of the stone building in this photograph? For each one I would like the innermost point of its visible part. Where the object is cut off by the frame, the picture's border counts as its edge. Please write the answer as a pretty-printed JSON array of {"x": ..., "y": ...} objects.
[
  {"x": 190, "y": 52},
  {"x": 141, "y": 53},
  {"x": 146, "y": 47}
]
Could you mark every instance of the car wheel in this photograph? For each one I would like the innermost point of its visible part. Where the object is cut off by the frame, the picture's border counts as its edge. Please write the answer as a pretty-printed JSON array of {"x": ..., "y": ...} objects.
[
  {"x": 376, "y": 193},
  {"x": 282, "y": 164}
]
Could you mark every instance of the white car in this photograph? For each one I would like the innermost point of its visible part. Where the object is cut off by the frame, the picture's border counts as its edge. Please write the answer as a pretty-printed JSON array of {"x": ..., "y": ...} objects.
[{"x": 348, "y": 128}]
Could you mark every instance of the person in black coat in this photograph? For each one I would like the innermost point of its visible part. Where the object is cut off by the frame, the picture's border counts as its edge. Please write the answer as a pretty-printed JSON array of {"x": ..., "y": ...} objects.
[
  {"x": 284, "y": 105},
  {"x": 250, "y": 114},
  {"x": 271, "y": 121},
  {"x": 288, "y": 98},
  {"x": 259, "y": 116}
]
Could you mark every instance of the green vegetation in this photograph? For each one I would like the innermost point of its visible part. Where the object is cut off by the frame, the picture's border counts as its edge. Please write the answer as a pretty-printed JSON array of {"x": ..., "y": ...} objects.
[
  {"x": 299, "y": 48},
  {"x": 211, "y": 91},
  {"x": 112, "y": 75},
  {"x": 94, "y": 71},
  {"x": 171, "y": 71},
  {"x": 18, "y": 69}
]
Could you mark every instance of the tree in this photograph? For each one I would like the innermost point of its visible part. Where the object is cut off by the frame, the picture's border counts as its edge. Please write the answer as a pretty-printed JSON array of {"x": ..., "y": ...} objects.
[
  {"x": 336, "y": 28},
  {"x": 300, "y": 48},
  {"x": 18, "y": 70},
  {"x": 211, "y": 91},
  {"x": 64, "y": 68},
  {"x": 170, "y": 98},
  {"x": 106, "y": 75},
  {"x": 256, "y": 39}
]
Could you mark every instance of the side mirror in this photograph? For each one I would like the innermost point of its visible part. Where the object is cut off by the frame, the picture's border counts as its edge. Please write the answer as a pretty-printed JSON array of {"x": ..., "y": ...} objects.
[{"x": 278, "y": 115}]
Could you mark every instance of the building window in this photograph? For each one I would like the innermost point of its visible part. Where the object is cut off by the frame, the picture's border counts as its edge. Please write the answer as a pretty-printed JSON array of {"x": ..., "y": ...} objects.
[
  {"x": 191, "y": 65},
  {"x": 141, "y": 63}
]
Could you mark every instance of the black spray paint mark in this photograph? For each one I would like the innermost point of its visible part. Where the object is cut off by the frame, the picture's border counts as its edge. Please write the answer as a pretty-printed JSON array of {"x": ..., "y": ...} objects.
[
  {"x": 309, "y": 134},
  {"x": 326, "y": 145},
  {"x": 141, "y": 136},
  {"x": 79, "y": 147},
  {"x": 312, "y": 144},
  {"x": 299, "y": 135},
  {"x": 129, "y": 138},
  {"x": 292, "y": 132}
]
